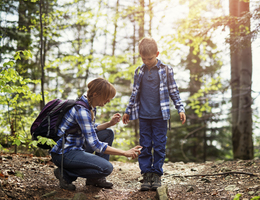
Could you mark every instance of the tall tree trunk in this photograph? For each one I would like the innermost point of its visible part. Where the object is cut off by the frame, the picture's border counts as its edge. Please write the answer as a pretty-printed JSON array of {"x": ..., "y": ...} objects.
[
  {"x": 151, "y": 17},
  {"x": 141, "y": 19},
  {"x": 115, "y": 29},
  {"x": 41, "y": 57},
  {"x": 241, "y": 75}
]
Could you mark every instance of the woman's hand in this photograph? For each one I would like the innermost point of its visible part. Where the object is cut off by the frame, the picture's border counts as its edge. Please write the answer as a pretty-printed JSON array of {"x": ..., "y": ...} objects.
[
  {"x": 134, "y": 152},
  {"x": 115, "y": 119}
]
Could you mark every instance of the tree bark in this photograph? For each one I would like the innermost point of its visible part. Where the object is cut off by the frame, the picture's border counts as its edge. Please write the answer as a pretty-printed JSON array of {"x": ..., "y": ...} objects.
[
  {"x": 241, "y": 76},
  {"x": 41, "y": 57},
  {"x": 115, "y": 29}
]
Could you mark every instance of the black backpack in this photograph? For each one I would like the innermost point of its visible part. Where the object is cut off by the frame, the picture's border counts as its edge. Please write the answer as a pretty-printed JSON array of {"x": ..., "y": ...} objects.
[{"x": 49, "y": 119}]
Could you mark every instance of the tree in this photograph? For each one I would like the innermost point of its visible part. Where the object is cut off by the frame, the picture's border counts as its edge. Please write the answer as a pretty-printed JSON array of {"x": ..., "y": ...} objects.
[{"x": 241, "y": 75}]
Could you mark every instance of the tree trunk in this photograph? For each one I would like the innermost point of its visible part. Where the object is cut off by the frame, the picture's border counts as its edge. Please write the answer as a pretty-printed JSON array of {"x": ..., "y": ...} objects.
[
  {"x": 115, "y": 29},
  {"x": 151, "y": 17},
  {"x": 141, "y": 20},
  {"x": 41, "y": 57},
  {"x": 241, "y": 75}
]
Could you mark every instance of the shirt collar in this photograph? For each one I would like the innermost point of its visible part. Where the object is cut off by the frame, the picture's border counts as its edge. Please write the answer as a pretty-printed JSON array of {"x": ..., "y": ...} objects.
[
  {"x": 157, "y": 65},
  {"x": 84, "y": 98}
]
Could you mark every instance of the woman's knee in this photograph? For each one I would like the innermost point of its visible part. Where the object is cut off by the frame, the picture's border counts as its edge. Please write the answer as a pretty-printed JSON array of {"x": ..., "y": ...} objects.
[
  {"x": 111, "y": 132},
  {"x": 110, "y": 136},
  {"x": 107, "y": 169}
]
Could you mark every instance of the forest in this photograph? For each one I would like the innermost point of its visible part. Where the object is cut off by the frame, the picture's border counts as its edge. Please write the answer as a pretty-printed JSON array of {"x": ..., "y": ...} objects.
[{"x": 52, "y": 48}]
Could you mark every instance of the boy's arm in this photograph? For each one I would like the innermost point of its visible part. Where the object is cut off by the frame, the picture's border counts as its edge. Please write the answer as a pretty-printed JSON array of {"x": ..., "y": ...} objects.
[
  {"x": 174, "y": 92},
  {"x": 134, "y": 93}
]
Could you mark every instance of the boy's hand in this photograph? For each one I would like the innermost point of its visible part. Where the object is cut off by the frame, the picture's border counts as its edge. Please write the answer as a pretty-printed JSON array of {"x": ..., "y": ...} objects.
[
  {"x": 182, "y": 117},
  {"x": 125, "y": 118}
]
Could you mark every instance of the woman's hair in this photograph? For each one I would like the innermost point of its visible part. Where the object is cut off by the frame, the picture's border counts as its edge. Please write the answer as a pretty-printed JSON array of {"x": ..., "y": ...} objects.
[
  {"x": 147, "y": 46},
  {"x": 102, "y": 87}
]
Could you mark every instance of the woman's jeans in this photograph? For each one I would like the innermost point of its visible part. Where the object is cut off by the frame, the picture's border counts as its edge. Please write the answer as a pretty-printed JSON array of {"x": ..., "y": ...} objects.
[
  {"x": 152, "y": 137},
  {"x": 84, "y": 163}
]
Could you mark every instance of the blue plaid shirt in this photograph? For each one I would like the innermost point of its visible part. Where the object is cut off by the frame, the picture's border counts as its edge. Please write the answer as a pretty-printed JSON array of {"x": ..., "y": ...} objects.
[
  {"x": 79, "y": 115},
  {"x": 165, "y": 92}
]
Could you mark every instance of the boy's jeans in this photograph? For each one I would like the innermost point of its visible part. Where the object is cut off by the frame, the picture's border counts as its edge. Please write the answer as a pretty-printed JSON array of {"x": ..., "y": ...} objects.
[
  {"x": 152, "y": 136},
  {"x": 84, "y": 163}
]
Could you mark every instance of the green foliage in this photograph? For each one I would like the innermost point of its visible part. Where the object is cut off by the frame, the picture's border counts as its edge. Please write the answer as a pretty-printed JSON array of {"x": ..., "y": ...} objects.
[
  {"x": 199, "y": 102},
  {"x": 44, "y": 140},
  {"x": 16, "y": 99},
  {"x": 237, "y": 197}
]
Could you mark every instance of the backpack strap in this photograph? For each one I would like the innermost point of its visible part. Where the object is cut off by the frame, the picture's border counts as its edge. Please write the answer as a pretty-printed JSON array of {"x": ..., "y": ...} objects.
[
  {"x": 73, "y": 130},
  {"x": 78, "y": 102}
]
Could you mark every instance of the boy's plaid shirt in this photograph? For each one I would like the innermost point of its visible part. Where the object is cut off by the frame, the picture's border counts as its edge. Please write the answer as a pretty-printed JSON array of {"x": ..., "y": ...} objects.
[{"x": 165, "y": 92}]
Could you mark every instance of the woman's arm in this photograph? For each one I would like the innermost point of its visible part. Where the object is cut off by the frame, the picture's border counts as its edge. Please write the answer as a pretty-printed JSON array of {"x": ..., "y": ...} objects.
[
  {"x": 115, "y": 119},
  {"x": 134, "y": 152}
]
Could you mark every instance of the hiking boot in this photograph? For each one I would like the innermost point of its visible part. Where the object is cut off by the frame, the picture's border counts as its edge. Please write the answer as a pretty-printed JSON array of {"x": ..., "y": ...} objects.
[
  {"x": 156, "y": 181},
  {"x": 99, "y": 182},
  {"x": 63, "y": 183},
  {"x": 146, "y": 185}
]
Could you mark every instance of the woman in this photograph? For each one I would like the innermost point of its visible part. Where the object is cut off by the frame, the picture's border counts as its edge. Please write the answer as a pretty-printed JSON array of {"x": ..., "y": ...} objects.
[{"x": 75, "y": 158}]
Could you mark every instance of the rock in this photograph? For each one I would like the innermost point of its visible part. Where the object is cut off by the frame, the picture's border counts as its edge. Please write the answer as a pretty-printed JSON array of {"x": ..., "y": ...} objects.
[
  {"x": 231, "y": 188},
  {"x": 190, "y": 189},
  {"x": 161, "y": 193}
]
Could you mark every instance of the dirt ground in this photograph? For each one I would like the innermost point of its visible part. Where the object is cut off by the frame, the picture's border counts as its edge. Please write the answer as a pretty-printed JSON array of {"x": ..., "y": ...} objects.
[{"x": 24, "y": 176}]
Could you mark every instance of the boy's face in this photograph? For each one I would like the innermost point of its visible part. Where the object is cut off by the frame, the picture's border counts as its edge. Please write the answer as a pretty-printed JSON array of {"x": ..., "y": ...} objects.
[{"x": 150, "y": 60}]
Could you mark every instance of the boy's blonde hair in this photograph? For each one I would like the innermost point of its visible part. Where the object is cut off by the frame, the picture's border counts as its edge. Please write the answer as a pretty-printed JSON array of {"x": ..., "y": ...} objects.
[{"x": 147, "y": 46}]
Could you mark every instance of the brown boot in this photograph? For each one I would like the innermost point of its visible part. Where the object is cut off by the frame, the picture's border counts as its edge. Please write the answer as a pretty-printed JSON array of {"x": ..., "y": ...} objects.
[
  {"x": 99, "y": 182},
  {"x": 146, "y": 185},
  {"x": 156, "y": 181},
  {"x": 63, "y": 183}
]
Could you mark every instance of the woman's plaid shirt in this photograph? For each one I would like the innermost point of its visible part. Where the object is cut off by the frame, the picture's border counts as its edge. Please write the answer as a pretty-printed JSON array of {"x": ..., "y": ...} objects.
[{"x": 79, "y": 115}]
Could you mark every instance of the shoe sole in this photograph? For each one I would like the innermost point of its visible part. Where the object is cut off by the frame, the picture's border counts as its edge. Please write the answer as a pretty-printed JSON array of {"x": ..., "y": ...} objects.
[
  {"x": 57, "y": 175},
  {"x": 155, "y": 187},
  {"x": 96, "y": 185},
  {"x": 145, "y": 188}
]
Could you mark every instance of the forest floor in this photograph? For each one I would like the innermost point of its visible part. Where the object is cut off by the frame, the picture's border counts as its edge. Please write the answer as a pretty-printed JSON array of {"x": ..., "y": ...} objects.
[{"x": 24, "y": 176}]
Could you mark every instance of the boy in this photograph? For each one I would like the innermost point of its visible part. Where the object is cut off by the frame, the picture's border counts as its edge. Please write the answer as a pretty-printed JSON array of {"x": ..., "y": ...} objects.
[{"x": 153, "y": 85}]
